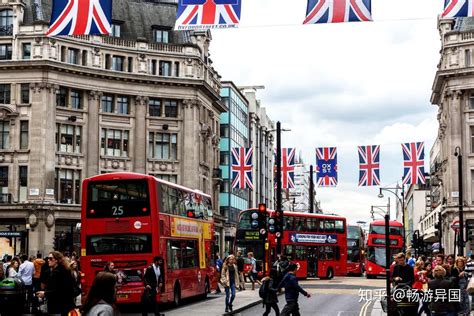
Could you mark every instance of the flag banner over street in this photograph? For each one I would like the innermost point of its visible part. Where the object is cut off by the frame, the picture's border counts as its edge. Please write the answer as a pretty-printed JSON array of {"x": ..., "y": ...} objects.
[
  {"x": 80, "y": 17},
  {"x": 242, "y": 168},
  {"x": 326, "y": 166},
  {"x": 207, "y": 14},
  {"x": 414, "y": 163},
  {"x": 369, "y": 165},
  {"x": 337, "y": 11},
  {"x": 458, "y": 8},
  {"x": 287, "y": 168}
]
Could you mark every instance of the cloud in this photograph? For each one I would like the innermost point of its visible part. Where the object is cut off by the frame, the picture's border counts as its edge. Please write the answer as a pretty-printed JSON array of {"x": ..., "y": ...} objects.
[{"x": 341, "y": 85}]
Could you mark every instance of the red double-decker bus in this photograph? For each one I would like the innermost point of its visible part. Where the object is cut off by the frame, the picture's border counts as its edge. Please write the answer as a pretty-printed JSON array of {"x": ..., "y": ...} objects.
[
  {"x": 129, "y": 218},
  {"x": 355, "y": 250},
  {"x": 375, "y": 264},
  {"x": 316, "y": 242}
]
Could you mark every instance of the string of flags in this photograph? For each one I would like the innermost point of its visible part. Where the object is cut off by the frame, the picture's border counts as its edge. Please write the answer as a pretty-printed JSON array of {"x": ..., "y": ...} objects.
[
  {"x": 327, "y": 169},
  {"x": 94, "y": 17}
]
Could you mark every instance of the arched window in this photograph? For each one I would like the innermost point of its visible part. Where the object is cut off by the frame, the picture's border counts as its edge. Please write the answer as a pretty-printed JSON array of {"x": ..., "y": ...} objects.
[{"x": 6, "y": 22}]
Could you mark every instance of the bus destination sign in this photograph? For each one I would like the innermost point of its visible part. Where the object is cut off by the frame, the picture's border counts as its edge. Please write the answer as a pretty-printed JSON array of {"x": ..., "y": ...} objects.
[{"x": 252, "y": 235}]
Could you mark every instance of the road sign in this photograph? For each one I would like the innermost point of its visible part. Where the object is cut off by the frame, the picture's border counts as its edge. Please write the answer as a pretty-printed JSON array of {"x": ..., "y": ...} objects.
[{"x": 455, "y": 226}]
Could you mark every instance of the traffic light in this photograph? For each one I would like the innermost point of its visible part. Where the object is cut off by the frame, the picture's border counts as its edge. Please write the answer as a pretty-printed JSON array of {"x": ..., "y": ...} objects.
[
  {"x": 278, "y": 223},
  {"x": 437, "y": 227},
  {"x": 258, "y": 220}
]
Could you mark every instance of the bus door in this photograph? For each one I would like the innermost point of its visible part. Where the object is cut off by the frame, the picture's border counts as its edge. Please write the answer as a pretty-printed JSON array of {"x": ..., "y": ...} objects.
[{"x": 312, "y": 253}]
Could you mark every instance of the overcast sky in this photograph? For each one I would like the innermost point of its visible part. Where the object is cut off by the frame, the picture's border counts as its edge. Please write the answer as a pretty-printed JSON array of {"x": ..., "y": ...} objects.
[{"x": 340, "y": 85}]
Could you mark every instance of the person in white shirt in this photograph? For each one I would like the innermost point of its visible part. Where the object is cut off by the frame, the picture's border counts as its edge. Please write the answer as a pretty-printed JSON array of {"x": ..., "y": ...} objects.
[{"x": 25, "y": 273}]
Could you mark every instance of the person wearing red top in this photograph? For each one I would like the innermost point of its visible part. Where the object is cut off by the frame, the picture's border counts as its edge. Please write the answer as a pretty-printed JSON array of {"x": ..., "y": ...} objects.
[{"x": 420, "y": 277}]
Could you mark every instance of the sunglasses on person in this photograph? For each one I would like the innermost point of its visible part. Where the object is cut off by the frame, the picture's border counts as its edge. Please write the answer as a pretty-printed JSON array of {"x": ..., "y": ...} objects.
[{"x": 50, "y": 258}]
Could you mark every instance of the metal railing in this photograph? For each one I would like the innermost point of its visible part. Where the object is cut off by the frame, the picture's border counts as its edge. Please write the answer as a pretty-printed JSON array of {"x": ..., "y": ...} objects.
[{"x": 6, "y": 30}]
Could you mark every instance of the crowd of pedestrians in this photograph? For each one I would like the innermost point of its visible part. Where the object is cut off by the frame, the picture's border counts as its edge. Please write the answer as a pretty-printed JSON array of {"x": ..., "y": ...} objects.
[{"x": 441, "y": 281}]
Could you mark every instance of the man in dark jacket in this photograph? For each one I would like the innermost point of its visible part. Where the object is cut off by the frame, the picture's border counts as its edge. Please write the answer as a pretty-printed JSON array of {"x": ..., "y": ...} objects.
[
  {"x": 240, "y": 268},
  {"x": 440, "y": 304},
  {"x": 154, "y": 282},
  {"x": 292, "y": 290},
  {"x": 402, "y": 272}
]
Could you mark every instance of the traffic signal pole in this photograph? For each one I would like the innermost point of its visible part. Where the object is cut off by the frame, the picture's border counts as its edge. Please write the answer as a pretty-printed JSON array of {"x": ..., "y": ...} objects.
[{"x": 279, "y": 211}]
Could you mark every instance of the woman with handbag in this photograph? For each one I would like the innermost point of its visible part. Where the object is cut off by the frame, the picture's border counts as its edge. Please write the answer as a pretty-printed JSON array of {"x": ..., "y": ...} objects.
[{"x": 230, "y": 280}]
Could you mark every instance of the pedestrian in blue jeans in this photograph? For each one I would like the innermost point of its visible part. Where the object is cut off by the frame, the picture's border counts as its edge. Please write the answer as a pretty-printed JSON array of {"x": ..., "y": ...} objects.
[{"x": 230, "y": 280}]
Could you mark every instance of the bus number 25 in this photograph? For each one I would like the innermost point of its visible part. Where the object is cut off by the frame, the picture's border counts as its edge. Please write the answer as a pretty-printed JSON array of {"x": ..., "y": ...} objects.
[{"x": 117, "y": 210}]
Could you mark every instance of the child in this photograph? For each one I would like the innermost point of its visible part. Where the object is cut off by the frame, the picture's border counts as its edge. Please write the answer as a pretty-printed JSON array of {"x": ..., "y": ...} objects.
[{"x": 271, "y": 288}]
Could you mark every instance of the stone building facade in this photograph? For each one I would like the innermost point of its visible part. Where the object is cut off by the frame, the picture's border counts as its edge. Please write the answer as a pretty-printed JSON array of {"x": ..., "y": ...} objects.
[
  {"x": 453, "y": 93},
  {"x": 145, "y": 99}
]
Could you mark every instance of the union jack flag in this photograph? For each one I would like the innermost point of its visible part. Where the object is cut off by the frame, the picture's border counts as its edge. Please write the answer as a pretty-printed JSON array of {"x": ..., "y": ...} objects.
[
  {"x": 80, "y": 17},
  {"x": 369, "y": 165},
  {"x": 336, "y": 11},
  {"x": 458, "y": 8},
  {"x": 414, "y": 163},
  {"x": 326, "y": 166},
  {"x": 242, "y": 168},
  {"x": 205, "y": 14},
  {"x": 287, "y": 168}
]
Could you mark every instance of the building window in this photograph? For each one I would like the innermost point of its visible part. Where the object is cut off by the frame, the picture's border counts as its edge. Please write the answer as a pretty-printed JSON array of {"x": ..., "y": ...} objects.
[
  {"x": 467, "y": 58},
  {"x": 26, "y": 50},
  {"x": 68, "y": 138},
  {"x": 115, "y": 30},
  {"x": 24, "y": 134},
  {"x": 171, "y": 108},
  {"x": 122, "y": 105},
  {"x": 163, "y": 146},
  {"x": 23, "y": 184},
  {"x": 107, "y": 104},
  {"x": 4, "y": 94},
  {"x": 25, "y": 93},
  {"x": 224, "y": 130},
  {"x": 165, "y": 68},
  {"x": 5, "y": 51},
  {"x": 6, "y": 22},
  {"x": 154, "y": 107},
  {"x": 61, "y": 97},
  {"x": 161, "y": 36},
  {"x": 3, "y": 181},
  {"x": 117, "y": 63},
  {"x": 472, "y": 186},
  {"x": 67, "y": 186},
  {"x": 114, "y": 142},
  {"x": 73, "y": 56},
  {"x": 76, "y": 99},
  {"x": 176, "y": 69},
  {"x": 167, "y": 177},
  {"x": 4, "y": 135},
  {"x": 472, "y": 139}
]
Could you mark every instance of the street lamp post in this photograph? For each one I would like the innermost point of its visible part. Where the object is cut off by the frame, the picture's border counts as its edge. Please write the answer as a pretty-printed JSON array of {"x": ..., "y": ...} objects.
[
  {"x": 402, "y": 203},
  {"x": 27, "y": 248},
  {"x": 458, "y": 154},
  {"x": 387, "y": 251}
]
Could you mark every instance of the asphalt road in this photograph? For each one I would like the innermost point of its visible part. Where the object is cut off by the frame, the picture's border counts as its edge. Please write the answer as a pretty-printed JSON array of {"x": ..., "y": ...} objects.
[{"x": 338, "y": 297}]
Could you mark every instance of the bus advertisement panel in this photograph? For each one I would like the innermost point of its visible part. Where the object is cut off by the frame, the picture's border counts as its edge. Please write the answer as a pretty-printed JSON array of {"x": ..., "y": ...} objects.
[
  {"x": 129, "y": 218},
  {"x": 375, "y": 264}
]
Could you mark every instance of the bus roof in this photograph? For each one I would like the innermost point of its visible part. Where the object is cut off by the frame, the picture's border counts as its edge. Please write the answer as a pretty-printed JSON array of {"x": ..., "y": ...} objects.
[
  {"x": 382, "y": 223},
  {"x": 302, "y": 214},
  {"x": 138, "y": 176}
]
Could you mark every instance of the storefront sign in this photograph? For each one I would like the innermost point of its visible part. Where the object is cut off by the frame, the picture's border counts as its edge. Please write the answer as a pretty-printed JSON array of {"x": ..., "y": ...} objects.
[{"x": 10, "y": 234}]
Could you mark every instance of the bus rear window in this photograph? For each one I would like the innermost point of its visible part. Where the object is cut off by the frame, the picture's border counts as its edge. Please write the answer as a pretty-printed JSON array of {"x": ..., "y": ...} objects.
[
  {"x": 118, "y": 244},
  {"x": 121, "y": 198}
]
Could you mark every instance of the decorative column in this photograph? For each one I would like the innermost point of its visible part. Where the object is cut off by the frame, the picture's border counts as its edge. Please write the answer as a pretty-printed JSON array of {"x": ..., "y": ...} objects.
[
  {"x": 189, "y": 141},
  {"x": 140, "y": 143},
  {"x": 91, "y": 135}
]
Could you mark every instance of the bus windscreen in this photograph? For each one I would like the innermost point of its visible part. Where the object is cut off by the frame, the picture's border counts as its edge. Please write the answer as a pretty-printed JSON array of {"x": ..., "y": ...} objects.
[
  {"x": 112, "y": 199},
  {"x": 118, "y": 244}
]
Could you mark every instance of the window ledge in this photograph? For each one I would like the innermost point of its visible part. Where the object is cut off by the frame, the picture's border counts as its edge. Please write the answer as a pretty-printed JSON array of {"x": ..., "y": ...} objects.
[
  {"x": 116, "y": 114},
  {"x": 163, "y": 160},
  {"x": 24, "y": 105},
  {"x": 68, "y": 108},
  {"x": 65, "y": 153},
  {"x": 115, "y": 158},
  {"x": 166, "y": 118}
]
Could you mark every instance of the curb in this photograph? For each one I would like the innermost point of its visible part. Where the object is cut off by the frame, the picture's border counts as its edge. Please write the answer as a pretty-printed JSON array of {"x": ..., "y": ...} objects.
[{"x": 240, "y": 309}]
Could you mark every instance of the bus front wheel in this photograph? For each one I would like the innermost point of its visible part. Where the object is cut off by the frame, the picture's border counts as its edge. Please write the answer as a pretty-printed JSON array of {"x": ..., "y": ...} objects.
[{"x": 177, "y": 295}]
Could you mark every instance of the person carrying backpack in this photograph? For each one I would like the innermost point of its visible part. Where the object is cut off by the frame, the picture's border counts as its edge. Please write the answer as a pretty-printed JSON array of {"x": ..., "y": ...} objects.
[{"x": 268, "y": 293}]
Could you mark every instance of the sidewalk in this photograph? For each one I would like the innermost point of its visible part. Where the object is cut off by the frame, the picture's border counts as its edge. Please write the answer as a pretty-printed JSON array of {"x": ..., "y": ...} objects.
[{"x": 216, "y": 305}]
